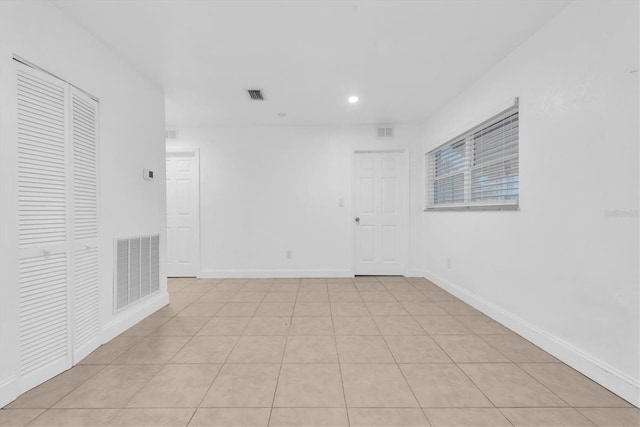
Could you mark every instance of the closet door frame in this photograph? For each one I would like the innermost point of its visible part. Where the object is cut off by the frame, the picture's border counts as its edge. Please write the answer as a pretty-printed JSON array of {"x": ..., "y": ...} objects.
[{"x": 28, "y": 380}]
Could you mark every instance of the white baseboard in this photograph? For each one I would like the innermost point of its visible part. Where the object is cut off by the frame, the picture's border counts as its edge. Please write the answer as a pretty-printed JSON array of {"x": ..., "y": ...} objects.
[
  {"x": 85, "y": 350},
  {"x": 415, "y": 273},
  {"x": 604, "y": 374},
  {"x": 133, "y": 315},
  {"x": 8, "y": 390},
  {"x": 267, "y": 274},
  {"x": 12, "y": 387}
]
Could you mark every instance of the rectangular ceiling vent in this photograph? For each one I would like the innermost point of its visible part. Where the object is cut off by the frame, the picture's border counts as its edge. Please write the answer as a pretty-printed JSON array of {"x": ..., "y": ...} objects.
[
  {"x": 256, "y": 94},
  {"x": 171, "y": 134},
  {"x": 385, "y": 132}
]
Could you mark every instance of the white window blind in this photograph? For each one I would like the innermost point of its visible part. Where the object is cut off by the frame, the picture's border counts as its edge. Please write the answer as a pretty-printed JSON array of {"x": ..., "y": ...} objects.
[{"x": 478, "y": 169}]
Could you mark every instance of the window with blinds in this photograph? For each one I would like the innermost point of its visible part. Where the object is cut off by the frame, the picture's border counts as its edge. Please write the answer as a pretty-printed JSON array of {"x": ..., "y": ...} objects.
[{"x": 478, "y": 169}]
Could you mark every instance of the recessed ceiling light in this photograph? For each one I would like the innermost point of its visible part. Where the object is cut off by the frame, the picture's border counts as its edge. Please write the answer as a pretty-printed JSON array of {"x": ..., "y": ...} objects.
[
  {"x": 353, "y": 99},
  {"x": 283, "y": 114}
]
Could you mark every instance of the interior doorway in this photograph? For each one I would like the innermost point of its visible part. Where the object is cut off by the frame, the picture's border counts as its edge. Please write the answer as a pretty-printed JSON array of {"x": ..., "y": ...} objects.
[
  {"x": 379, "y": 213},
  {"x": 183, "y": 208}
]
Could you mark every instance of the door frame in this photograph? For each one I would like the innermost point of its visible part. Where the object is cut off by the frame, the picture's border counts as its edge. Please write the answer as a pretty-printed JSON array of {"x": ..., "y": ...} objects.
[
  {"x": 405, "y": 204},
  {"x": 195, "y": 152}
]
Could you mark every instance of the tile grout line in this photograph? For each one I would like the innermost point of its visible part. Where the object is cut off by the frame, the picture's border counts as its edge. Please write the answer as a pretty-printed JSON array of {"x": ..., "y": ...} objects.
[
  {"x": 221, "y": 365},
  {"x": 119, "y": 409},
  {"x": 453, "y": 362},
  {"x": 437, "y": 344},
  {"x": 470, "y": 379},
  {"x": 284, "y": 350},
  {"x": 138, "y": 364},
  {"x": 67, "y": 394},
  {"x": 335, "y": 343},
  {"x": 401, "y": 372}
]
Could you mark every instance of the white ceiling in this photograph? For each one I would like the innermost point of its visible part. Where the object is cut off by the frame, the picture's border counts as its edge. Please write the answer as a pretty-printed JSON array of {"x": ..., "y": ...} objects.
[{"x": 404, "y": 59}]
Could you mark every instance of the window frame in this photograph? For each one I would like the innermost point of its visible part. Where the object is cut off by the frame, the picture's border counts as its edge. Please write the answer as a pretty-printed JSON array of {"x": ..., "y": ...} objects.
[{"x": 468, "y": 168}]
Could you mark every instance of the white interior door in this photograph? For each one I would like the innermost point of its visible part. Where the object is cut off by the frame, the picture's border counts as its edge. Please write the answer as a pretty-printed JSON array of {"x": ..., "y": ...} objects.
[
  {"x": 58, "y": 303},
  {"x": 183, "y": 248},
  {"x": 379, "y": 213},
  {"x": 43, "y": 227}
]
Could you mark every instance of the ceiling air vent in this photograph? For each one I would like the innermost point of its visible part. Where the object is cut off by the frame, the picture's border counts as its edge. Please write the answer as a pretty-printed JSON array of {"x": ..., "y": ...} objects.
[
  {"x": 385, "y": 132},
  {"x": 256, "y": 94},
  {"x": 171, "y": 134}
]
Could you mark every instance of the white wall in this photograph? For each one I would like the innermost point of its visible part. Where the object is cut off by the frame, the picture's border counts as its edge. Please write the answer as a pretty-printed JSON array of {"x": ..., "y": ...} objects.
[
  {"x": 131, "y": 138},
  {"x": 267, "y": 190},
  {"x": 560, "y": 271}
]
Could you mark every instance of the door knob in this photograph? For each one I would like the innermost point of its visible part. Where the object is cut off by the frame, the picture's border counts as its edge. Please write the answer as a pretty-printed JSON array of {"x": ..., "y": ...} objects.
[{"x": 358, "y": 219}]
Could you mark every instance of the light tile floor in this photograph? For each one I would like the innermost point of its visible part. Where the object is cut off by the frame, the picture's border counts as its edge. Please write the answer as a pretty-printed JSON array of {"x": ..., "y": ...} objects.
[{"x": 370, "y": 351}]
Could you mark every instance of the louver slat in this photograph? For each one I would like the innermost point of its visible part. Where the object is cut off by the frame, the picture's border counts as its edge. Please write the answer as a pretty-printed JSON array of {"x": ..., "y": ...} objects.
[
  {"x": 478, "y": 169},
  {"x": 85, "y": 179},
  {"x": 134, "y": 270},
  {"x": 154, "y": 271},
  {"x": 145, "y": 247},
  {"x": 86, "y": 296},
  {"x": 41, "y": 154},
  {"x": 137, "y": 269},
  {"x": 256, "y": 94}
]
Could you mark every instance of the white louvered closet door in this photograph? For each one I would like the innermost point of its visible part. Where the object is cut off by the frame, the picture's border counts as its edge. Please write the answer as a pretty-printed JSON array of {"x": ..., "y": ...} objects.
[
  {"x": 43, "y": 222},
  {"x": 84, "y": 214}
]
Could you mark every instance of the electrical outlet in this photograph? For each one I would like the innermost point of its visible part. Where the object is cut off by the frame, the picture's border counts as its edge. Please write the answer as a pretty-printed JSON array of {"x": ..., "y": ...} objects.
[
  {"x": 289, "y": 254},
  {"x": 449, "y": 263}
]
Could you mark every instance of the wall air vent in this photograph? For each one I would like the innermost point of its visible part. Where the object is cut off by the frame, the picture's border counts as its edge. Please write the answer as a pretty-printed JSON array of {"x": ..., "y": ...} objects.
[
  {"x": 171, "y": 134},
  {"x": 256, "y": 94},
  {"x": 137, "y": 269},
  {"x": 385, "y": 132}
]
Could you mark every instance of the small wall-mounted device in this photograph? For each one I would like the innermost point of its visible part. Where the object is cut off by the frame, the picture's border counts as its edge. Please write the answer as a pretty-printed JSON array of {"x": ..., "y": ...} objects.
[{"x": 147, "y": 174}]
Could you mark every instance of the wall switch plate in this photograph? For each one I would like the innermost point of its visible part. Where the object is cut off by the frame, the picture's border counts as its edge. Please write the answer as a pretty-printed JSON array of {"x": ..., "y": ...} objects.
[
  {"x": 147, "y": 174},
  {"x": 341, "y": 203}
]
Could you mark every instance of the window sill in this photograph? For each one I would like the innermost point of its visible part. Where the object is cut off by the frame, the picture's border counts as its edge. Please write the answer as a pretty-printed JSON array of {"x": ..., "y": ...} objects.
[{"x": 513, "y": 207}]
